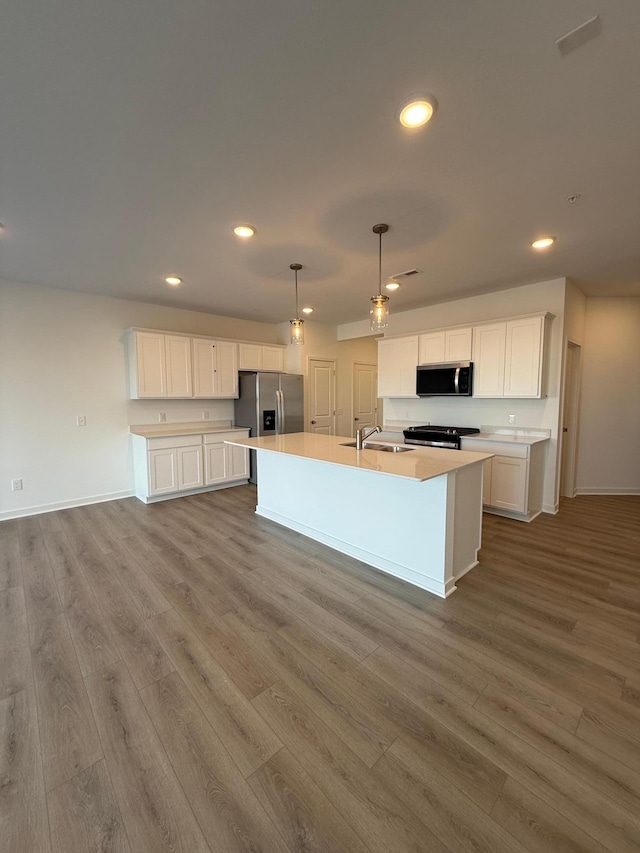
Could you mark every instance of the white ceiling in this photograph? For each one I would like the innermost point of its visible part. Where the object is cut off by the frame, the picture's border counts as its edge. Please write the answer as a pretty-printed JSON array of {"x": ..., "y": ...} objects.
[{"x": 135, "y": 134}]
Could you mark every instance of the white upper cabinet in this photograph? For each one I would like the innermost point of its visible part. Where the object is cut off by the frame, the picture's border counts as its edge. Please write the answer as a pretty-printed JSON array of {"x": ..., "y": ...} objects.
[
  {"x": 507, "y": 358},
  {"x": 445, "y": 345},
  {"x": 488, "y": 360},
  {"x": 523, "y": 357},
  {"x": 457, "y": 344},
  {"x": 178, "y": 365},
  {"x": 397, "y": 362},
  {"x": 261, "y": 357},
  {"x": 148, "y": 368},
  {"x": 160, "y": 365},
  {"x": 215, "y": 368}
]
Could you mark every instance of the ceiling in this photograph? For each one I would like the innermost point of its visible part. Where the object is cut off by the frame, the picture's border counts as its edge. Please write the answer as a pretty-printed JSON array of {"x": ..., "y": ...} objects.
[{"x": 134, "y": 135}]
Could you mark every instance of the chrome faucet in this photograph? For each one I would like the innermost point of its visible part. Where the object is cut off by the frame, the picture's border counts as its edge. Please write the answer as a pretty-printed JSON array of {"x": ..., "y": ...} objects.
[{"x": 362, "y": 435}]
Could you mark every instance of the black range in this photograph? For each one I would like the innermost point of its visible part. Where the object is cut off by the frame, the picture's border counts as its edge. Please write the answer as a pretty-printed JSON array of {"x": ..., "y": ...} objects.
[{"x": 437, "y": 436}]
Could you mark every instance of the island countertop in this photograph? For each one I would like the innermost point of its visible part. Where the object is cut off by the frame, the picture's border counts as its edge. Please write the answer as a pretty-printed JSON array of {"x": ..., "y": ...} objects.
[{"x": 419, "y": 463}]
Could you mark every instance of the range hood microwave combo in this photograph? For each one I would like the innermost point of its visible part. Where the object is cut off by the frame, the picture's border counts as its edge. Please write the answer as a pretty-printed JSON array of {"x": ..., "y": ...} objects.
[{"x": 453, "y": 379}]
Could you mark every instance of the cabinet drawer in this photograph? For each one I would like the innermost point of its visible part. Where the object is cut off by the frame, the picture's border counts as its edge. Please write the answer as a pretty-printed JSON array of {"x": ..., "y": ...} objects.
[
  {"x": 515, "y": 451},
  {"x": 219, "y": 437},
  {"x": 173, "y": 441}
]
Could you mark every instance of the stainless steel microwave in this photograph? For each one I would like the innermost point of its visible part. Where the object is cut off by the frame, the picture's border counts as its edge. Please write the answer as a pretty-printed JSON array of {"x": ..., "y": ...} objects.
[{"x": 454, "y": 379}]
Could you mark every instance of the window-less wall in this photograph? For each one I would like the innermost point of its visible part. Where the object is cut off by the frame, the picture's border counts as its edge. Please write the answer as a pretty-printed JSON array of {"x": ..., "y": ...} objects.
[
  {"x": 62, "y": 354},
  {"x": 609, "y": 436}
]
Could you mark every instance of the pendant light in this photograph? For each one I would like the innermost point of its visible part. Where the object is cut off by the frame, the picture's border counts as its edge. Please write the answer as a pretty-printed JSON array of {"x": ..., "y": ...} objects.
[
  {"x": 379, "y": 311},
  {"x": 297, "y": 325}
]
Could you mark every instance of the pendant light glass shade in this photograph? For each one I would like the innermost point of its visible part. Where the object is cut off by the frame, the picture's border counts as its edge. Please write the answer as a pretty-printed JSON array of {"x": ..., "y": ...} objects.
[
  {"x": 380, "y": 303},
  {"x": 297, "y": 325}
]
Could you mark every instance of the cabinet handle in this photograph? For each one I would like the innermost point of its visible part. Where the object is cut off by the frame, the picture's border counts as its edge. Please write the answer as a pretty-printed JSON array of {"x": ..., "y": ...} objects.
[
  {"x": 313, "y": 422},
  {"x": 356, "y": 419}
]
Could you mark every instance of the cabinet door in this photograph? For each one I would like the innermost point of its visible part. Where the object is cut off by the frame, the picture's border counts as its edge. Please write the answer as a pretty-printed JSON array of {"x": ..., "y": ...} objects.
[
  {"x": 397, "y": 362},
  {"x": 163, "y": 471},
  {"x": 204, "y": 367},
  {"x": 431, "y": 348},
  {"x": 238, "y": 462},
  {"x": 509, "y": 483},
  {"x": 226, "y": 369},
  {"x": 215, "y": 463},
  {"x": 523, "y": 362},
  {"x": 273, "y": 358},
  {"x": 250, "y": 356},
  {"x": 190, "y": 474},
  {"x": 488, "y": 360},
  {"x": 150, "y": 365},
  {"x": 178, "y": 357},
  {"x": 457, "y": 345}
]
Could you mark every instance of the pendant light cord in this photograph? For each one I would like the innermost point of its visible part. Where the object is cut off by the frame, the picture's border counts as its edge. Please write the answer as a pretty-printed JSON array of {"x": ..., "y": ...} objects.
[
  {"x": 297, "y": 312},
  {"x": 380, "y": 266}
]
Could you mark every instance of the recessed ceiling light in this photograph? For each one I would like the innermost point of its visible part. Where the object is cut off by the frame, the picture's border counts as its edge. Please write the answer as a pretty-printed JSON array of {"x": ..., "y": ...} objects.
[
  {"x": 244, "y": 231},
  {"x": 543, "y": 242},
  {"x": 392, "y": 285},
  {"x": 307, "y": 310},
  {"x": 173, "y": 280},
  {"x": 416, "y": 110}
]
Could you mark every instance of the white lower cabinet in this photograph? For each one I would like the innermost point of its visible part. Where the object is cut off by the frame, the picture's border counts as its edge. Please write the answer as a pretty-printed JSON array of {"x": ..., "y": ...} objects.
[
  {"x": 170, "y": 465},
  {"x": 513, "y": 477},
  {"x": 225, "y": 462}
]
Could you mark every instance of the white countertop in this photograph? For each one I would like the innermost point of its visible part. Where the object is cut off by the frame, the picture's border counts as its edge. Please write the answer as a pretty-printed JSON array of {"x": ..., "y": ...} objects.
[
  {"x": 193, "y": 428},
  {"x": 508, "y": 435},
  {"x": 420, "y": 463}
]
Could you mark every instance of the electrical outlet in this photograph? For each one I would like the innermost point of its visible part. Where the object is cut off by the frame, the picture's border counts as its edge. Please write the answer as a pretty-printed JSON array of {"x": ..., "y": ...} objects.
[
  {"x": 16, "y": 485},
  {"x": 512, "y": 419},
  {"x": 162, "y": 417},
  {"x": 81, "y": 420},
  {"x": 205, "y": 415}
]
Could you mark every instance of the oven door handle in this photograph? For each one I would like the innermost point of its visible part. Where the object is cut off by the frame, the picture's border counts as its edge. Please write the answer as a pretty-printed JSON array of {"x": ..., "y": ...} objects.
[{"x": 456, "y": 381}]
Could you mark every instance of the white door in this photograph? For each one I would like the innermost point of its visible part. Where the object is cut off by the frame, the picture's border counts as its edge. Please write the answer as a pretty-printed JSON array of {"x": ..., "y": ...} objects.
[
  {"x": 523, "y": 357},
  {"x": 150, "y": 365},
  {"x": 509, "y": 483},
  {"x": 250, "y": 356},
  {"x": 431, "y": 348},
  {"x": 570, "y": 421},
  {"x": 397, "y": 362},
  {"x": 190, "y": 474},
  {"x": 322, "y": 396},
  {"x": 204, "y": 367},
  {"x": 163, "y": 471},
  {"x": 457, "y": 345},
  {"x": 488, "y": 360},
  {"x": 227, "y": 369},
  {"x": 178, "y": 356},
  {"x": 215, "y": 463},
  {"x": 238, "y": 462},
  {"x": 365, "y": 401},
  {"x": 273, "y": 358}
]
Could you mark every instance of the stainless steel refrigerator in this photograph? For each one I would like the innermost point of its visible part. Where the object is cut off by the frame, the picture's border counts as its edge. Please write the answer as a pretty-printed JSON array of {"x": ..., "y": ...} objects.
[{"x": 269, "y": 404}]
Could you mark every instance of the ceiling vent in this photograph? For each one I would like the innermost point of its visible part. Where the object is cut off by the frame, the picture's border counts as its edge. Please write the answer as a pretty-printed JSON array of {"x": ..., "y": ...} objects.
[
  {"x": 581, "y": 35},
  {"x": 406, "y": 273}
]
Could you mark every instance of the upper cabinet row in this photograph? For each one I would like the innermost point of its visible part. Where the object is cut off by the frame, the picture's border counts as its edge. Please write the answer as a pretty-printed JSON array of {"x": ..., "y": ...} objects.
[
  {"x": 165, "y": 365},
  {"x": 507, "y": 357}
]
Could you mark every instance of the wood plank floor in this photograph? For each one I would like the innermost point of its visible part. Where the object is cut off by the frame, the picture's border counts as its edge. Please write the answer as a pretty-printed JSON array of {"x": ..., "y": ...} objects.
[{"x": 189, "y": 677}]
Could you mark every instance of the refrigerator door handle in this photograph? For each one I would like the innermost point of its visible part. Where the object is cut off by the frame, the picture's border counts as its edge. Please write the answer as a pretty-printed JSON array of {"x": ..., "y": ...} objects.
[
  {"x": 278, "y": 413},
  {"x": 283, "y": 413}
]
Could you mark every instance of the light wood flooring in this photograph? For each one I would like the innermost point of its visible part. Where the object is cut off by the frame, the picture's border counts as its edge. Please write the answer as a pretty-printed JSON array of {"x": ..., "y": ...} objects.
[{"x": 188, "y": 677}]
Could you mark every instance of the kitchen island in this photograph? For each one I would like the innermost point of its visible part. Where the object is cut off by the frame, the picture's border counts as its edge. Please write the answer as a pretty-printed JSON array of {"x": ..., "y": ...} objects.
[{"x": 416, "y": 515}]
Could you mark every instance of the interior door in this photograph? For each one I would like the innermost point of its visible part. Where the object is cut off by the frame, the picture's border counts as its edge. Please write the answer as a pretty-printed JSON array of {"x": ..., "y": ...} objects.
[
  {"x": 365, "y": 401},
  {"x": 322, "y": 396}
]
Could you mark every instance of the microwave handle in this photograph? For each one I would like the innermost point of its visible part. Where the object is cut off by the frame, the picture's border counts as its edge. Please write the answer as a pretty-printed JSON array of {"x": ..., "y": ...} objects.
[{"x": 456, "y": 381}]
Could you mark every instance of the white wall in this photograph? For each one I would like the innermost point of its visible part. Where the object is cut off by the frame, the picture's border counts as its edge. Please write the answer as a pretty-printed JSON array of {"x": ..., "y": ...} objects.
[
  {"x": 609, "y": 437},
  {"x": 62, "y": 354},
  {"x": 542, "y": 414}
]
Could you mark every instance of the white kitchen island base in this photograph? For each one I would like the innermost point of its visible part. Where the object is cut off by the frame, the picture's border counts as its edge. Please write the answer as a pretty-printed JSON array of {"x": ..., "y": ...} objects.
[{"x": 426, "y": 532}]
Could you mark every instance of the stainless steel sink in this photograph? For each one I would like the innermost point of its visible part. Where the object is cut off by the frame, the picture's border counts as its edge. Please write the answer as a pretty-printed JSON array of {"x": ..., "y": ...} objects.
[{"x": 385, "y": 448}]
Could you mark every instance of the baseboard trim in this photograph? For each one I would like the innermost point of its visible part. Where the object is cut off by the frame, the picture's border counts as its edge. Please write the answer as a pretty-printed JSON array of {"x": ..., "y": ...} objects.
[
  {"x": 442, "y": 590},
  {"x": 593, "y": 490},
  {"x": 154, "y": 499},
  {"x": 39, "y": 510}
]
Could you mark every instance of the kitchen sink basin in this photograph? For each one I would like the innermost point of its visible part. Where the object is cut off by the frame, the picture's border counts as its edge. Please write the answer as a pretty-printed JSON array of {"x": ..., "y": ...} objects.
[{"x": 385, "y": 448}]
